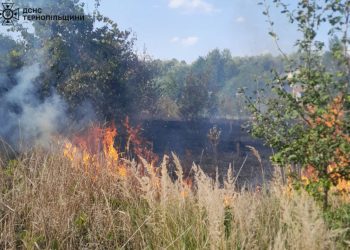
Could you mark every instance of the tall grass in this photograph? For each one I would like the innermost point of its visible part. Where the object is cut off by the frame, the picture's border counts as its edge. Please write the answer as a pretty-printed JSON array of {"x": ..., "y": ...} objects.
[{"x": 46, "y": 202}]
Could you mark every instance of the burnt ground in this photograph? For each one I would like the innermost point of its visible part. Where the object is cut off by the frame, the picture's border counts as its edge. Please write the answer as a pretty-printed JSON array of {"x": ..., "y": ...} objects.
[{"x": 189, "y": 141}]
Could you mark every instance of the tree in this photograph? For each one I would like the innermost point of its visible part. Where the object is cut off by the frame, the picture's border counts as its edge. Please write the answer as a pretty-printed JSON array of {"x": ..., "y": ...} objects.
[
  {"x": 90, "y": 61},
  {"x": 194, "y": 97},
  {"x": 310, "y": 129},
  {"x": 10, "y": 62},
  {"x": 143, "y": 88}
]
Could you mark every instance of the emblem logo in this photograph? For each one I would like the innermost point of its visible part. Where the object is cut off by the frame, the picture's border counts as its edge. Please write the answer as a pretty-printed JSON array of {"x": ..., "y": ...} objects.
[{"x": 8, "y": 14}]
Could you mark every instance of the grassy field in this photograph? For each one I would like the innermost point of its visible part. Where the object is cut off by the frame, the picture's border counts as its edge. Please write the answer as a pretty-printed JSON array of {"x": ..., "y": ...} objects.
[{"x": 48, "y": 201}]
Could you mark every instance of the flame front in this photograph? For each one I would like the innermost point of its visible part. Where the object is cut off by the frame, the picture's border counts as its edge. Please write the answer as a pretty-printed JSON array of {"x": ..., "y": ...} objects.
[
  {"x": 332, "y": 118},
  {"x": 94, "y": 150},
  {"x": 108, "y": 144}
]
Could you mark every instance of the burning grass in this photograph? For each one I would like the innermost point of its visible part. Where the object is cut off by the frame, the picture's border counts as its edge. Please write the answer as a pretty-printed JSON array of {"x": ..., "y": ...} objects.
[{"x": 87, "y": 194}]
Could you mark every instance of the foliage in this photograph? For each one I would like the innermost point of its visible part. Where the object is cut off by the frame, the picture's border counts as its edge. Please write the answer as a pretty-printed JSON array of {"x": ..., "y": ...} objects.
[
  {"x": 93, "y": 63},
  {"x": 194, "y": 97},
  {"x": 224, "y": 76},
  {"x": 90, "y": 61},
  {"x": 338, "y": 218},
  {"x": 307, "y": 119},
  {"x": 10, "y": 61}
]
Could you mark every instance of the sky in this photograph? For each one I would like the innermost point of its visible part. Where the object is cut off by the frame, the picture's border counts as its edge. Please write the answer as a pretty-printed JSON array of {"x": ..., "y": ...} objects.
[{"x": 187, "y": 29}]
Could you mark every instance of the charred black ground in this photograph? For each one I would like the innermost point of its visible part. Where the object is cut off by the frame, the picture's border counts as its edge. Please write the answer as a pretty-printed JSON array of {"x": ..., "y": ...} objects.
[{"x": 189, "y": 140}]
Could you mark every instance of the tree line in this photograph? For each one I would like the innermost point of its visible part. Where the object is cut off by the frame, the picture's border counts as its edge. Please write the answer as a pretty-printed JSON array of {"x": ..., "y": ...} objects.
[{"x": 95, "y": 62}]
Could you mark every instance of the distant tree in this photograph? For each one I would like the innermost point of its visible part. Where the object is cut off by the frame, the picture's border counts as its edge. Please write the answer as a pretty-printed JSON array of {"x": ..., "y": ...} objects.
[
  {"x": 143, "y": 90},
  {"x": 194, "y": 97},
  {"x": 171, "y": 78},
  {"x": 224, "y": 74}
]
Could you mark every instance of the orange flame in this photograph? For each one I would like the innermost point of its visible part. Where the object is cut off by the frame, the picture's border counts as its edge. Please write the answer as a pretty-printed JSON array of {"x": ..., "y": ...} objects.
[
  {"x": 137, "y": 145},
  {"x": 94, "y": 150},
  {"x": 332, "y": 118}
]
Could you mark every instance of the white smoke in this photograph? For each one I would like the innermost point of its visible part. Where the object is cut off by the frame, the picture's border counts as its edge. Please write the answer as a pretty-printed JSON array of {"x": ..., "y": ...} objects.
[{"x": 24, "y": 119}]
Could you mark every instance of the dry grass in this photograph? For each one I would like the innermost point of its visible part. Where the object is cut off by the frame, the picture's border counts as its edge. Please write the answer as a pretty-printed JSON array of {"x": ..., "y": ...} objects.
[{"x": 46, "y": 203}]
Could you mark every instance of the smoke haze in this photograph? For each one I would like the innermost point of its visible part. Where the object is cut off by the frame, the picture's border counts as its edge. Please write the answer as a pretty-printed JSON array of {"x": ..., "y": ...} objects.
[{"x": 26, "y": 119}]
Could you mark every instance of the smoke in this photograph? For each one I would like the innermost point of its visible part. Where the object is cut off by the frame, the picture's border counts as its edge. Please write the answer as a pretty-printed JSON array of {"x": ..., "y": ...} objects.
[{"x": 24, "y": 119}]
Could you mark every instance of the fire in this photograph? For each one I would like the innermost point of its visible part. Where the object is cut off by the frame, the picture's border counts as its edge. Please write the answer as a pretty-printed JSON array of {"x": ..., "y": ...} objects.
[
  {"x": 137, "y": 145},
  {"x": 228, "y": 200},
  {"x": 309, "y": 174},
  {"x": 94, "y": 150},
  {"x": 122, "y": 172},
  {"x": 69, "y": 151},
  {"x": 184, "y": 193},
  {"x": 187, "y": 185},
  {"x": 108, "y": 144},
  {"x": 332, "y": 118},
  {"x": 341, "y": 185}
]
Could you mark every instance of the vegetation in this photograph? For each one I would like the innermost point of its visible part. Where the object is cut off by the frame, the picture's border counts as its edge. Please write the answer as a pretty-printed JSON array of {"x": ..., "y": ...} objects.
[
  {"x": 95, "y": 62},
  {"x": 219, "y": 77},
  {"x": 50, "y": 202},
  {"x": 310, "y": 128},
  {"x": 82, "y": 192},
  {"x": 90, "y": 61}
]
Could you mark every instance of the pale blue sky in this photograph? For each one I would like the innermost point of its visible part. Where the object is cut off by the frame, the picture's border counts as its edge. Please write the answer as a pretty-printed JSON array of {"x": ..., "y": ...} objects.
[{"x": 186, "y": 29}]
